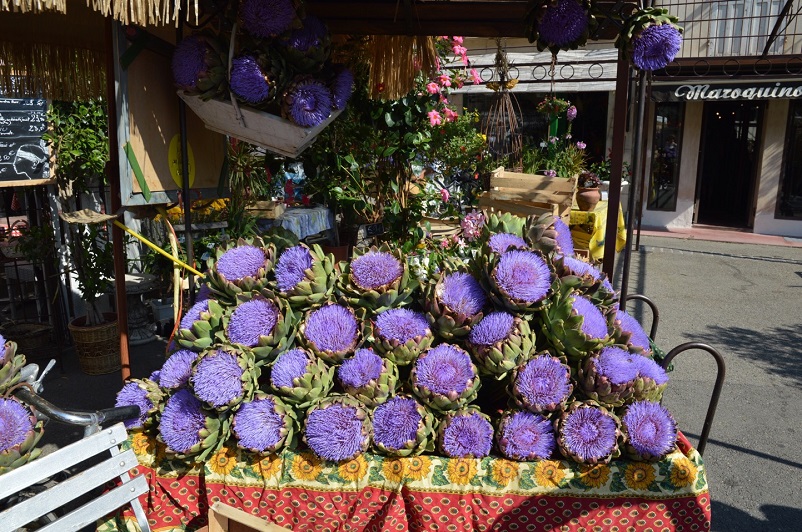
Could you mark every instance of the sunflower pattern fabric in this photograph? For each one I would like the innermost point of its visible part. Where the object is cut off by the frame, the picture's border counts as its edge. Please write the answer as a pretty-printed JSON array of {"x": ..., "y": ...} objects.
[{"x": 297, "y": 490}]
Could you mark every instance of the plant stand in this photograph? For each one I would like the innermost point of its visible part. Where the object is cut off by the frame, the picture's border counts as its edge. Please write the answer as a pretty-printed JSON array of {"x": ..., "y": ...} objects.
[{"x": 139, "y": 330}]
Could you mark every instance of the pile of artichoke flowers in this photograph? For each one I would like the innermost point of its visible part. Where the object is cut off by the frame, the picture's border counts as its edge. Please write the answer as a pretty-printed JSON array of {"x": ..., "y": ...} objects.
[{"x": 523, "y": 352}]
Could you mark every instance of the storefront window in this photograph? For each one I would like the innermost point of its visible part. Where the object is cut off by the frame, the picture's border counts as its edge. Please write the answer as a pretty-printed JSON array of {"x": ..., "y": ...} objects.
[
  {"x": 665, "y": 156},
  {"x": 789, "y": 202}
]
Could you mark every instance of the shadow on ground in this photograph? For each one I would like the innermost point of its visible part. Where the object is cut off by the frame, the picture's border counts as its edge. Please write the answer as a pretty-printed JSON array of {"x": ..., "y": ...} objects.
[
  {"x": 727, "y": 518},
  {"x": 775, "y": 350}
]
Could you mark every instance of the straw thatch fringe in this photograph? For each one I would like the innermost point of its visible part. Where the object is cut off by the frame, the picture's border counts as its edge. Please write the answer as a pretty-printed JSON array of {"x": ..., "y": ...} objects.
[
  {"x": 52, "y": 71},
  {"x": 395, "y": 61},
  {"x": 140, "y": 12}
]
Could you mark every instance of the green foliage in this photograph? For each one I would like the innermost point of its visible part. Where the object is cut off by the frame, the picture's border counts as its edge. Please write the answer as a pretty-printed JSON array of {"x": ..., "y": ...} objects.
[
  {"x": 91, "y": 254},
  {"x": 558, "y": 154},
  {"x": 37, "y": 244},
  {"x": 458, "y": 145}
]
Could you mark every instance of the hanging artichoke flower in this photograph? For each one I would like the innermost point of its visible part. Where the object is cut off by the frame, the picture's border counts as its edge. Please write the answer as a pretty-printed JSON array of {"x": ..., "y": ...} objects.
[
  {"x": 650, "y": 38},
  {"x": 341, "y": 86},
  {"x": 542, "y": 385},
  {"x": 465, "y": 433},
  {"x": 588, "y": 433},
  {"x": 19, "y": 435},
  {"x": 500, "y": 342},
  {"x": 144, "y": 394},
  {"x": 520, "y": 281},
  {"x": 201, "y": 327},
  {"x": 330, "y": 332},
  {"x": 525, "y": 436},
  {"x": 307, "y": 102},
  {"x": 338, "y": 428},
  {"x": 550, "y": 234},
  {"x": 377, "y": 280},
  {"x": 560, "y": 24},
  {"x": 223, "y": 377},
  {"x": 368, "y": 377},
  {"x": 177, "y": 369},
  {"x": 264, "y": 425},
  {"x": 307, "y": 48},
  {"x": 267, "y": 18},
  {"x": 241, "y": 267},
  {"x": 444, "y": 378},
  {"x": 399, "y": 335},
  {"x": 403, "y": 427},
  {"x": 300, "y": 378},
  {"x": 649, "y": 430},
  {"x": 265, "y": 325},
  {"x": 305, "y": 277},
  {"x": 199, "y": 65},
  {"x": 590, "y": 282},
  {"x": 189, "y": 430},
  {"x": 501, "y": 242},
  {"x": 573, "y": 326},
  {"x": 503, "y": 222},
  {"x": 628, "y": 331},
  {"x": 250, "y": 82},
  {"x": 11, "y": 364},
  {"x": 454, "y": 304}
]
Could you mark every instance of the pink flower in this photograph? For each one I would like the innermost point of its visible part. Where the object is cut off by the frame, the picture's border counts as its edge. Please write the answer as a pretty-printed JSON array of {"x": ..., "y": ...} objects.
[
  {"x": 432, "y": 88},
  {"x": 444, "y": 243},
  {"x": 451, "y": 115},
  {"x": 475, "y": 76},
  {"x": 444, "y": 194},
  {"x": 464, "y": 58},
  {"x": 434, "y": 118},
  {"x": 459, "y": 81},
  {"x": 445, "y": 80},
  {"x": 581, "y": 145},
  {"x": 443, "y": 99},
  {"x": 457, "y": 40},
  {"x": 459, "y": 50}
]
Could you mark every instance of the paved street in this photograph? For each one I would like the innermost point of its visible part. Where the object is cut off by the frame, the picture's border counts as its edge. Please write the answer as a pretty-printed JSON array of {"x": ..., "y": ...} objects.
[{"x": 746, "y": 301}]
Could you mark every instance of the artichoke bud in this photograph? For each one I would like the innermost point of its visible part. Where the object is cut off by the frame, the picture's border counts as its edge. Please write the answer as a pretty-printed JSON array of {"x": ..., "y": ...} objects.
[
  {"x": 204, "y": 332},
  {"x": 377, "y": 279},
  {"x": 403, "y": 427},
  {"x": 589, "y": 433},
  {"x": 21, "y": 433},
  {"x": 11, "y": 364},
  {"x": 300, "y": 378},
  {"x": 305, "y": 277},
  {"x": 240, "y": 267},
  {"x": 500, "y": 343}
]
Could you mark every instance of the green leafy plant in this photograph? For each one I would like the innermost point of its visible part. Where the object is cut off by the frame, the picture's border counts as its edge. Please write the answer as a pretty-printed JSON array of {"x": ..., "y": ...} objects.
[{"x": 91, "y": 254}]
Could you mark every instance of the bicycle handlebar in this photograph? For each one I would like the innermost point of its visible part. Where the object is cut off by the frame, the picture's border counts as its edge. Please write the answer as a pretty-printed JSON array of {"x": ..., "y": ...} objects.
[{"x": 76, "y": 417}]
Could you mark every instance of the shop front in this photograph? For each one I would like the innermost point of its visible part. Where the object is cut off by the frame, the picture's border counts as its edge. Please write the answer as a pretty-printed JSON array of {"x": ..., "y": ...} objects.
[{"x": 726, "y": 155}]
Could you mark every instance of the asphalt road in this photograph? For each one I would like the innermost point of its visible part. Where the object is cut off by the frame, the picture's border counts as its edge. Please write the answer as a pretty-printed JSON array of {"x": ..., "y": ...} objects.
[{"x": 746, "y": 301}]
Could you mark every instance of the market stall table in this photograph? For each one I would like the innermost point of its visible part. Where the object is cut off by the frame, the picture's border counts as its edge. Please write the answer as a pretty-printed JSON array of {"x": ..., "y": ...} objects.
[
  {"x": 371, "y": 492},
  {"x": 302, "y": 221},
  {"x": 588, "y": 227}
]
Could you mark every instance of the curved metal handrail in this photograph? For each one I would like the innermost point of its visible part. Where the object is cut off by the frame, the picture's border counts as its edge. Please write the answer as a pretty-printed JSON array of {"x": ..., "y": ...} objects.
[
  {"x": 652, "y": 305},
  {"x": 720, "y": 374}
]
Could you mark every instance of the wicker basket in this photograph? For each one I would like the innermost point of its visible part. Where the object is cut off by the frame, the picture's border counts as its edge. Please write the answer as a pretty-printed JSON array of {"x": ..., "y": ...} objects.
[
  {"x": 98, "y": 347},
  {"x": 28, "y": 336}
]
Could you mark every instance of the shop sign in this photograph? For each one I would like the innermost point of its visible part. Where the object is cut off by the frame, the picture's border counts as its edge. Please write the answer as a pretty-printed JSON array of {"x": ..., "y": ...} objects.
[{"x": 708, "y": 92}]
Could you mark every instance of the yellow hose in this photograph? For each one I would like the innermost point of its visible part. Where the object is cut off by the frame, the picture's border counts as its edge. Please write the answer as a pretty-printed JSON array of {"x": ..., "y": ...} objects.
[{"x": 156, "y": 248}]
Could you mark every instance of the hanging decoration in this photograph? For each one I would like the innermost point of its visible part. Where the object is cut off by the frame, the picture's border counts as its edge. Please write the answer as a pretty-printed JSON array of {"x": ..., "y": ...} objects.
[
  {"x": 395, "y": 61},
  {"x": 502, "y": 124},
  {"x": 650, "y": 39},
  {"x": 559, "y": 24}
]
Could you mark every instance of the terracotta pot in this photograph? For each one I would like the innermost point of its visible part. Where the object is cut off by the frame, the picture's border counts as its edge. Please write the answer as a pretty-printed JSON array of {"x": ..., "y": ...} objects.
[{"x": 587, "y": 198}]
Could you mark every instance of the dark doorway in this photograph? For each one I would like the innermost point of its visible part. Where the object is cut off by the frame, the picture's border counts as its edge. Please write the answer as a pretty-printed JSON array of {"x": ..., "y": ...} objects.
[{"x": 728, "y": 163}]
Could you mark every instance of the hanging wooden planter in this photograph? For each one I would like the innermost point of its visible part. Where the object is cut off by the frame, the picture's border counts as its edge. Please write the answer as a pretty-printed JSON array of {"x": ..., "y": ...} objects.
[{"x": 269, "y": 131}]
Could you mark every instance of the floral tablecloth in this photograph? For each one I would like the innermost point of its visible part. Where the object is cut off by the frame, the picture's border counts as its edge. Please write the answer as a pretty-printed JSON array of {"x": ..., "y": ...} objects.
[
  {"x": 372, "y": 492},
  {"x": 588, "y": 230},
  {"x": 302, "y": 221}
]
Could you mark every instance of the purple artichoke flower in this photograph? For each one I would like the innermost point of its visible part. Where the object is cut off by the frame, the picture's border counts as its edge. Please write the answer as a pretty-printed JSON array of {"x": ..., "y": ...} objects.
[
  {"x": 217, "y": 378},
  {"x": 289, "y": 366},
  {"x": 359, "y": 370},
  {"x": 248, "y": 81},
  {"x": 240, "y": 262},
  {"x": 336, "y": 432},
  {"x": 580, "y": 268},
  {"x": 308, "y": 102},
  {"x": 630, "y": 325},
  {"x": 618, "y": 365},
  {"x": 291, "y": 267},
  {"x": 204, "y": 293},
  {"x": 266, "y": 18},
  {"x": 132, "y": 394},
  {"x": 523, "y": 276},
  {"x": 181, "y": 422},
  {"x": 401, "y": 324},
  {"x": 396, "y": 422},
  {"x": 525, "y": 436},
  {"x": 562, "y": 24},
  {"x": 648, "y": 368},
  {"x": 3, "y": 340},
  {"x": 312, "y": 34},
  {"x": 466, "y": 434},
  {"x": 542, "y": 384},
  {"x": 177, "y": 369},
  {"x": 193, "y": 314},
  {"x": 342, "y": 87},
  {"x": 570, "y": 114},
  {"x": 375, "y": 270},
  {"x": 252, "y": 319},
  {"x": 156, "y": 376},
  {"x": 655, "y": 46},
  {"x": 258, "y": 426},
  {"x": 462, "y": 294},
  {"x": 494, "y": 327},
  {"x": 332, "y": 328},
  {"x": 589, "y": 434},
  {"x": 565, "y": 243},
  {"x": 501, "y": 242},
  {"x": 651, "y": 429},
  {"x": 594, "y": 325},
  {"x": 189, "y": 61},
  {"x": 15, "y": 423},
  {"x": 444, "y": 370}
]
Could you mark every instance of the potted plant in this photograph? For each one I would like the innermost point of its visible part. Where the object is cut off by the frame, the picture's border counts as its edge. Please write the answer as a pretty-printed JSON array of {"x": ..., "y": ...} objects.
[{"x": 588, "y": 193}]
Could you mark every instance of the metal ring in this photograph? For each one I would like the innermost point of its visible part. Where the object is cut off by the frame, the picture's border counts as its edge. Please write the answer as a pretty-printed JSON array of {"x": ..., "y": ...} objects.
[
  {"x": 536, "y": 75},
  {"x": 595, "y": 65},
  {"x": 563, "y": 68},
  {"x": 513, "y": 73},
  {"x": 673, "y": 69},
  {"x": 702, "y": 62},
  {"x": 486, "y": 77},
  {"x": 731, "y": 62},
  {"x": 798, "y": 61},
  {"x": 761, "y": 62}
]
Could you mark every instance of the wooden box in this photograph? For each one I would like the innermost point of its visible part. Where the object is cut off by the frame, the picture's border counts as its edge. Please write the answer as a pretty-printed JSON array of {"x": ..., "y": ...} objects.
[
  {"x": 225, "y": 518},
  {"x": 266, "y": 209},
  {"x": 269, "y": 131},
  {"x": 529, "y": 194}
]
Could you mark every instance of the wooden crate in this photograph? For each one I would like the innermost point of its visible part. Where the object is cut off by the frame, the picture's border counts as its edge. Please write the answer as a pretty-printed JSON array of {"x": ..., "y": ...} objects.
[
  {"x": 266, "y": 209},
  {"x": 529, "y": 194},
  {"x": 225, "y": 518},
  {"x": 262, "y": 129}
]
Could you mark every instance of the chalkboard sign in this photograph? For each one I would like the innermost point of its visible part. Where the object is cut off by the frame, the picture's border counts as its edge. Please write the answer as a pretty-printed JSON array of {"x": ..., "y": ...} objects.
[{"x": 23, "y": 153}]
